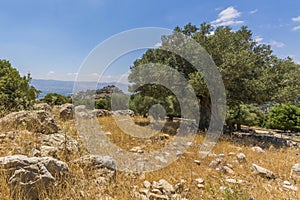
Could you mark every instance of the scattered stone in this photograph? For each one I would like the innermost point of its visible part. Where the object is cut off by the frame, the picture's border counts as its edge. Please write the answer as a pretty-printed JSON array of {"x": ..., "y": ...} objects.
[
  {"x": 200, "y": 186},
  {"x": 295, "y": 172},
  {"x": 291, "y": 187},
  {"x": 147, "y": 184},
  {"x": 180, "y": 186},
  {"x": 257, "y": 149},
  {"x": 286, "y": 183},
  {"x": 215, "y": 163},
  {"x": 166, "y": 186},
  {"x": 37, "y": 121},
  {"x": 156, "y": 191},
  {"x": 199, "y": 180},
  {"x": 197, "y": 162},
  {"x": 226, "y": 169},
  {"x": 225, "y": 188},
  {"x": 144, "y": 191},
  {"x": 137, "y": 149},
  {"x": 231, "y": 153},
  {"x": 263, "y": 172},
  {"x": 241, "y": 157},
  {"x": 153, "y": 196}
]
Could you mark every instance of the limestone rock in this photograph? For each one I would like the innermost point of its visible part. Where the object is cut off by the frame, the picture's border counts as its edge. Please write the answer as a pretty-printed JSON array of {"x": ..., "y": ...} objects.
[
  {"x": 38, "y": 121},
  {"x": 166, "y": 186},
  {"x": 43, "y": 106},
  {"x": 102, "y": 168},
  {"x": 128, "y": 113},
  {"x": 257, "y": 149},
  {"x": 29, "y": 176},
  {"x": 57, "y": 144},
  {"x": 66, "y": 111},
  {"x": 295, "y": 172},
  {"x": 101, "y": 113},
  {"x": 263, "y": 172},
  {"x": 215, "y": 163},
  {"x": 241, "y": 157}
]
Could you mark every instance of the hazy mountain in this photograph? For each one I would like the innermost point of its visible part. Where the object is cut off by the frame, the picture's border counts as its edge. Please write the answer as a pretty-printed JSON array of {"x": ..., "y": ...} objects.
[{"x": 66, "y": 87}]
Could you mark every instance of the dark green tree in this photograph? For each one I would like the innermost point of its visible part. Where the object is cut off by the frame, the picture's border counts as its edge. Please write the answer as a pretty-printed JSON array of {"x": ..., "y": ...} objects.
[
  {"x": 284, "y": 117},
  {"x": 16, "y": 93},
  {"x": 55, "y": 99}
]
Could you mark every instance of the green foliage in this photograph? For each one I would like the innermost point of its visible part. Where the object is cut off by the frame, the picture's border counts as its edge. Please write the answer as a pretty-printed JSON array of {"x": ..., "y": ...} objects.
[
  {"x": 55, "y": 99},
  {"x": 284, "y": 117},
  {"x": 15, "y": 91},
  {"x": 250, "y": 72},
  {"x": 104, "y": 103},
  {"x": 245, "y": 114}
]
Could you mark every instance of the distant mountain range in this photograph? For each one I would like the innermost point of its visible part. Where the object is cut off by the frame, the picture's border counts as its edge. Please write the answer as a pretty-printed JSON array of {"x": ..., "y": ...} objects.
[{"x": 66, "y": 87}]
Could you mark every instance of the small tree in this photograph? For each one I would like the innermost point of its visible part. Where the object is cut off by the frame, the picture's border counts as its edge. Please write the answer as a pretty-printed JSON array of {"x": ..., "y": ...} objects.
[
  {"x": 245, "y": 114},
  {"x": 15, "y": 90},
  {"x": 284, "y": 117},
  {"x": 55, "y": 99}
]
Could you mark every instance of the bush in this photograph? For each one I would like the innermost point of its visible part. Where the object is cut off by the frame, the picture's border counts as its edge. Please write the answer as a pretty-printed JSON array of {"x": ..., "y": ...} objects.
[
  {"x": 15, "y": 91},
  {"x": 244, "y": 114},
  {"x": 104, "y": 103},
  {"x": 284, "y": 117},
  {"x": 55, "y": 99}
]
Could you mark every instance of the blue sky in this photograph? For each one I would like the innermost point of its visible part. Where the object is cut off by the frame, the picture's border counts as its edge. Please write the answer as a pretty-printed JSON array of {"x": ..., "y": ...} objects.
[{"x": 51, "y": 38}]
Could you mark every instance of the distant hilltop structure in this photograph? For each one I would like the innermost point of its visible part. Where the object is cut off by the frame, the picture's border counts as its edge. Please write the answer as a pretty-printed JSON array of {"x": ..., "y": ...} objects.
[{"x": 107, "y": 91}]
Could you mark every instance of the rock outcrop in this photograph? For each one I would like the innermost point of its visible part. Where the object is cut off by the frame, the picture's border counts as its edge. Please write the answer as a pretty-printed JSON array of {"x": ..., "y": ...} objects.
[
  {"x": 29, "y": 177},
  {"x": 38, "y": 121},
  {"x": 66, "y": 111}
]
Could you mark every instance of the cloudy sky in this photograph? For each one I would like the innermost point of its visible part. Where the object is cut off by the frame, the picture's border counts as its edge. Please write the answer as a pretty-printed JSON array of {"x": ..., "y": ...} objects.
[{"x": 51, "y": 38}]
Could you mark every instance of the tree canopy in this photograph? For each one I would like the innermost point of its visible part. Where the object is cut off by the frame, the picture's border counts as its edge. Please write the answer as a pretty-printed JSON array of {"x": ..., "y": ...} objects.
[
  {"x": 251, "y": 73},
  {"x": 15, "y": 91}
]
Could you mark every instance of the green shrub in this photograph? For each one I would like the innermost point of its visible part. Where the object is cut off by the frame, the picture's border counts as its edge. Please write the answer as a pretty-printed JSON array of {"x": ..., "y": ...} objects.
[
  {"x": 244, "y": 114},
  {"x": 15, "y": 91},
  {"x": 55, "y": 99},
  {"x": 284, "y": 117}
]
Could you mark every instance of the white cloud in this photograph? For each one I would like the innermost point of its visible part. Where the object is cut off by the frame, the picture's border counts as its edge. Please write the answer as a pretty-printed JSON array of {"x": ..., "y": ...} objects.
[
  {"x": 296, "y": 19},
  {"x": 296, "y": 28},
  {"x": 72, "y": 74},
  {"x": 258, "y": 39},
  {"x": 277, "y": 44},
  {"x": 228, "y": 17},
  {"x": 51, "y": 72},
  {"x": 157, "y": 45},
  {"x": 253, "y": 11}
]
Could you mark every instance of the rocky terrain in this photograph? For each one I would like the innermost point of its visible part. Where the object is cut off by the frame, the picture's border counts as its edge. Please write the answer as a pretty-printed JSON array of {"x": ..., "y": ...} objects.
[{"x": 42, "y": 157}]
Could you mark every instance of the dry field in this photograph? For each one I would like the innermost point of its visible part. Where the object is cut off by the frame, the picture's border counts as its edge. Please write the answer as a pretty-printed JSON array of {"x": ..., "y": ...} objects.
[{"x": 79, "y": 185}]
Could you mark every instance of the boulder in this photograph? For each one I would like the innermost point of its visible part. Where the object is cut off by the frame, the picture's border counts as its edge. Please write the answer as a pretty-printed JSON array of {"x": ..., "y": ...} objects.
[
  {"x": 295, "y": 172},
  {"x": 257, "y": 149},
  {"x": 38, "y": 121},
  {"x": 101, "y": 113},
  {"x": 43, "y": 106},
  {"x": 102, "y": 168},
  {"x": 263, "y": 172},
  {"x": 28, "y": 177},
  {"x": 66, "y": 111},
  {"x": 56, "y": 145},
  {"x": 128, "y": 113}
]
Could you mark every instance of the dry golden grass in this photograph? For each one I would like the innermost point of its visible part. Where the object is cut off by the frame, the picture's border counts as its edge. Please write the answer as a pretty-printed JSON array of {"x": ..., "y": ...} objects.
[{"x": 80, "y": 186}]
